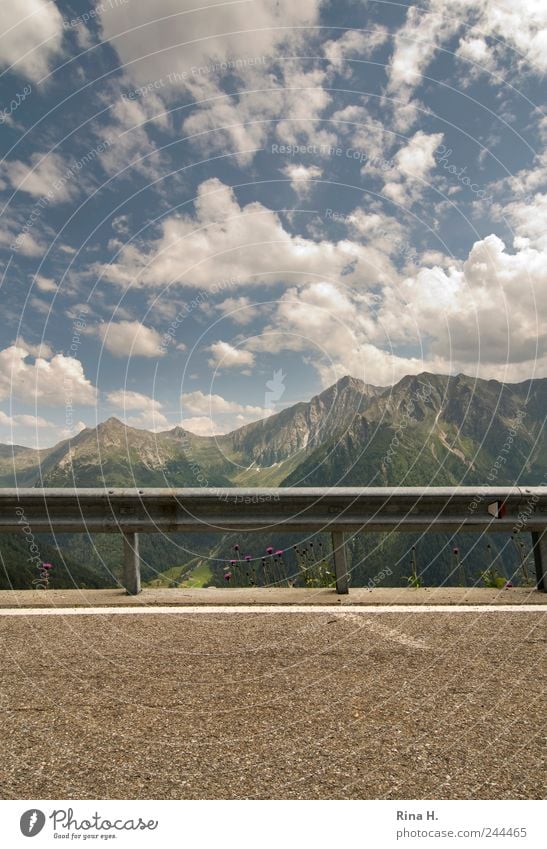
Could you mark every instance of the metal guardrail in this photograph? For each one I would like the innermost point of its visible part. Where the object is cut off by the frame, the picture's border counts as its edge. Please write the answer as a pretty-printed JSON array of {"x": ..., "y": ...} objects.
[{"x": 338, "y": 510}]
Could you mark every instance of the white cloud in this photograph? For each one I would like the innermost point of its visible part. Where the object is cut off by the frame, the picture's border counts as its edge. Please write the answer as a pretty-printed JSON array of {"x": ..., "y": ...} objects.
[
  {"x": 149, "y": 409},
  {"x": 45, "y": 284},
  {"x": 287, "y": 105},
  {"x": 232, "y": 414},
  {"x": 302, "y": 177},
  {"x": 526, "y": 181},
  {"x": 54, "y": 381},
  {"x": 41, "y": 350},
  {"x": 226, "y": 356},
  {"x": 245, "y": 40},
  {"x": 33, "y": 431},
  {"x": 333, "y": 326},
  {"x": 198, "y": 403},
  {"x": 364, "y": 133},
  {"x": 520, "y": 28},
  {"x": 32, "y": 32},
  {"x": 415, "y": 44},
  {"x": 130, "y": 339},
  {"x": 13, "y": 237},
  {"x": 523, "y": 26},
  {"x": 41, "y": 178},
  {"x": 239, "y": 310},
  {"x": 24, "y": 420},
  {"x": 201, "y": 426},
  {"x": 129, "y": 400},
  {"x": 355, "y": 44},
  {"x": 478, "y": 55},
  {"x": 529, "y": 219},
  {"x": 126, "y": 135},
  {"x": 414, "y": 162},
  {"x": 224, "y": 240},
  {"x": 175, "y": 36},
  {"x": 487, "y": 315}
]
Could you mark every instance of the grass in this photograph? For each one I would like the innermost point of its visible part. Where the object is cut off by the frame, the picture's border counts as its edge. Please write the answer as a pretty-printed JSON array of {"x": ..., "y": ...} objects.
[{"x": 188, "y": 576}]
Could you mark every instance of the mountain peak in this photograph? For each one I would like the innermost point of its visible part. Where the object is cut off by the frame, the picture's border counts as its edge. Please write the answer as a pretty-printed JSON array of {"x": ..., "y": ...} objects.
[
  {"x": 348, "y": 380},
  {"x": 110, "y": 425}
]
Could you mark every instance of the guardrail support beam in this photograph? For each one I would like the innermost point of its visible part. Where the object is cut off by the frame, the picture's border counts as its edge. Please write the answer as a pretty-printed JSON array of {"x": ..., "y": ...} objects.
[
  {"x": 340, "y": 562},
  {"x": 131, "y": 564},
  {"x": 539, "y": 544}
]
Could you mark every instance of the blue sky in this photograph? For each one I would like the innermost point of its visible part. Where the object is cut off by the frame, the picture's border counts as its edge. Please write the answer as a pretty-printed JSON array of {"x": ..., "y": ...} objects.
[{"x": 211, "y": 213}]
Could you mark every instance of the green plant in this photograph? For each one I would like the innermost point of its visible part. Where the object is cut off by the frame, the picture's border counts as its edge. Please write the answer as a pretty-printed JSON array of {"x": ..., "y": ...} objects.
[
  {"x": 414, "y": 580},
  {"x": 314, "y": 566},
  {"x": 491, "y": 578}
]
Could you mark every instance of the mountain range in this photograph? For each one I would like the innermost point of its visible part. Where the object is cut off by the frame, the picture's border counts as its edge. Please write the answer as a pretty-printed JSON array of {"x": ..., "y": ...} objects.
[{"x": 426, "y": 430}]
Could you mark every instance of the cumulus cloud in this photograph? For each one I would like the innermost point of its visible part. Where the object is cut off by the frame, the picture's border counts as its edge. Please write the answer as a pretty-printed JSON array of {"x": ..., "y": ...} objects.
[
  {"x": 414, "y": 162},
  {"x": 33, "y": 431},
  {"x": 177, "y": 36},
  {"x": 149, "y": 410},
  {"x": 42, "y": 177},
  {"x": 528, "y": 217},
  {"x": 523, "y": 27},
  {"x": 199, "y": 403},
  {"x": 198, "y": 47},
  {"x": 52, "y": 381},
  {"x": 45, "y": 284},
  {"x": 213, "y": 415},
  {"x": 130, "y": 339},
  {"x": 302, "y": 177},
  {"x": 416, "y": 41},
  {"x": 225, "y": 356},
  {"x": 201, "y": 426},
  {"x": 355, "y": 44},
  {"x": 42, "y": 349},
  {"x": 287, "y": 105},
  {"x": 128, "y": 144},
  {"x": 32, "y": 33},
  {"x": 239, "y": 310},
  {"x": 335, "y": 328},
  {"x": 24, "y": 420},
  {"x": 487, "y": 315},
  {"x": 520, "y": 28},
  {"x": 479, "y": 56},
  {"x": 224, "y": 240}
]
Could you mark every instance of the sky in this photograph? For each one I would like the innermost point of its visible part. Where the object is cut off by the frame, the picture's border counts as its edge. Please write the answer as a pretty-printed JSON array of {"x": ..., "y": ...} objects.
[{"x": 212, "y": 210}]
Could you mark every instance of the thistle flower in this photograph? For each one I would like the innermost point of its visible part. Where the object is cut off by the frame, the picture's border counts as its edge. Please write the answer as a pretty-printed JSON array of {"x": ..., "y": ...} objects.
[
  {"x": 248, "y": 557},
  {"x": 456, "y": 550},
  {"x": 279, "y": 553},
  {"x": 269, "y": 550},
  {"x": 236, "y": 547},
  {"x": 227, "y": 576},
  {"x": 233, "y": 562},
  {"x": 47, "y": 566}
]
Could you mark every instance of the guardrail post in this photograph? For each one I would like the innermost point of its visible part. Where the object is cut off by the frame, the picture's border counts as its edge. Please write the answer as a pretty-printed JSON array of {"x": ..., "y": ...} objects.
[
  {"x": 131, "y": 564},
  {"x": 340, "y": 562},
  {"x": 539, "y": 545}
]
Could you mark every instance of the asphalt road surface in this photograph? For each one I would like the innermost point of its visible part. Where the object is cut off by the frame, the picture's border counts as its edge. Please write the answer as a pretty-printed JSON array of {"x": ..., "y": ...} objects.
[{"x": 332, "y": 703}]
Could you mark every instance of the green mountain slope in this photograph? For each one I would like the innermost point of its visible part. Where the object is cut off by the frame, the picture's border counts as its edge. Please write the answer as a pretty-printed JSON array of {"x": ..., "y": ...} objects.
[{"x": 426, "y": 430}]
